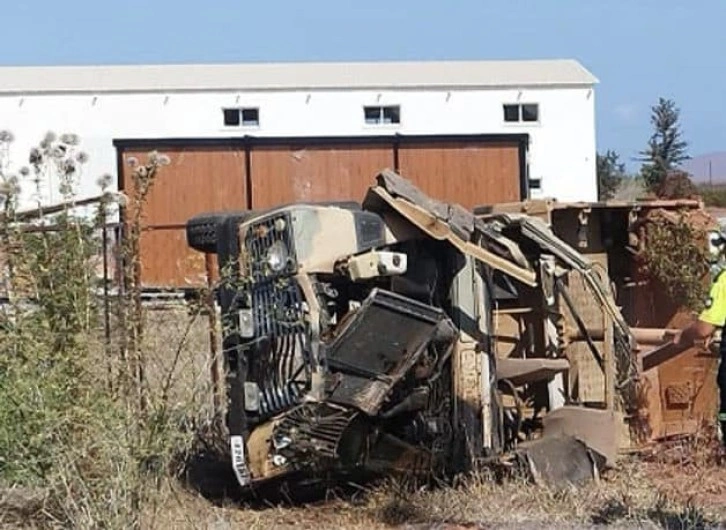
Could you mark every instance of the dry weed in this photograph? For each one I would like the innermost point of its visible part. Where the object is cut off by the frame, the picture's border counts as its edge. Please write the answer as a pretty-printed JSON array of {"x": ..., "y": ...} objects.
[{"x": 628, "y": 497}]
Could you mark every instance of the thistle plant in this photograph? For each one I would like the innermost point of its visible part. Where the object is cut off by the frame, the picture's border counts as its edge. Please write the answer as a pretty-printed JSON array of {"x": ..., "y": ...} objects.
[
  {"x": 96, "y": 450},
  {"x": 142, "y": 179}
]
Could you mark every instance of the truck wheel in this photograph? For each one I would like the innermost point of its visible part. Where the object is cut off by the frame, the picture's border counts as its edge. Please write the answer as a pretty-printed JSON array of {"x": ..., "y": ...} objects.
[{"x": 202, "y": 230}]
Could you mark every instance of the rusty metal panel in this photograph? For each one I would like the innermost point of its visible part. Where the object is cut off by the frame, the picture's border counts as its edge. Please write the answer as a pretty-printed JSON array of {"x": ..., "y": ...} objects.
[
  {"x": 198, "y": 179},
  {"x": 283, "y": 174},
  {"x": 470, "y": 174},
  {"x": 686, "y": 394}
]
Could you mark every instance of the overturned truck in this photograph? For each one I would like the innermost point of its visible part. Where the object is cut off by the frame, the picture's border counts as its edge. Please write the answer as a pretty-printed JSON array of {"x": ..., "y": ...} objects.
[{"x": 360, "y": 339}]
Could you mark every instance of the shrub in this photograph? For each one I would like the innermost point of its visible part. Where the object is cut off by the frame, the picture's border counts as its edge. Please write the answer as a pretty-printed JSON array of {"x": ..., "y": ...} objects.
[
  {"x": 677, "y": 185},
  {"x": 675, "y": 256},
  {"x": 71, "y": 421}
]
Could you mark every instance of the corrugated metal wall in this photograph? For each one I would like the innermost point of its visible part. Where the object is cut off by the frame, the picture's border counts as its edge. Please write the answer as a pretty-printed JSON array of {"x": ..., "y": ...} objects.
[
  {"x": 315, "y": 173},
  {"x": 255, "y": 173},
  {"x": 196, "y": 180},
  {"x": 470, "y": 174}
]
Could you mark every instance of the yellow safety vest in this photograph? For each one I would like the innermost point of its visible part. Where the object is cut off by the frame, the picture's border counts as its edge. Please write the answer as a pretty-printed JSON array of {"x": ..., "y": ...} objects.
[{"x": 715, "y": 311}]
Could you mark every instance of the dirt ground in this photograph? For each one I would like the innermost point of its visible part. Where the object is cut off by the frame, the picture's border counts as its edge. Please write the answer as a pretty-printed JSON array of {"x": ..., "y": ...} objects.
[
  {"x": 680, "y": 485},
  {"x": 654, "y": 496},
  {"x": 638, "y": 494}
]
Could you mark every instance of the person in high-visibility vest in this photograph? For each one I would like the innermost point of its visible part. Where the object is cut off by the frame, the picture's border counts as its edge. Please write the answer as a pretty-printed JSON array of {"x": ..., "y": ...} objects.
[{"x": 713, "y": 318}]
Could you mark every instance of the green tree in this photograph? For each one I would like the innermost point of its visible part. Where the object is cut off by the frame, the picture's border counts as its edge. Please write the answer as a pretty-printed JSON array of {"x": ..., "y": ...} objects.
[
  {"x": 666, "y": 147},
  {"x": 610, "y": 174}
]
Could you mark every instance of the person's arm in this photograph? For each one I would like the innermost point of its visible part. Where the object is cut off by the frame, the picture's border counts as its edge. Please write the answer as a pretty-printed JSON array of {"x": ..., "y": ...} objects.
[{"x": 697, "y": 331}]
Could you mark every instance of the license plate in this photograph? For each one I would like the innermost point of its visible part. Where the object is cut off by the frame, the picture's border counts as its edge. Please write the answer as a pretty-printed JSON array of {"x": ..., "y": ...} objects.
[{"x": 239, "y": 462}]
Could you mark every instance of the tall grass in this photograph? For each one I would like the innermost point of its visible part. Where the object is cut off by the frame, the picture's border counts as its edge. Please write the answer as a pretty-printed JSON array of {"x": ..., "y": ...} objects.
[{"x": 91, "y": 428}]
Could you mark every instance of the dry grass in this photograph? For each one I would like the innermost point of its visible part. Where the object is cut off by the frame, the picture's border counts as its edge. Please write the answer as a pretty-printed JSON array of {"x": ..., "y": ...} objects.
[
  {"x": 681, "y": 484},
  {"x": 178, "y": 358},
  {"x": 634, "y": 495}
]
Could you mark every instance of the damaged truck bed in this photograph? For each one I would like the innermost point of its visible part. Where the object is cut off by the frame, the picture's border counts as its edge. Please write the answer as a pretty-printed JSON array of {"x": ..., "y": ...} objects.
[{"x": 361, "y": 340}]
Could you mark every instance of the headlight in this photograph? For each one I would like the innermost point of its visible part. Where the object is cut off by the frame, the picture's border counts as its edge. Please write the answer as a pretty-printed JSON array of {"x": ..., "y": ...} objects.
[{"x": 277, "y": 256}]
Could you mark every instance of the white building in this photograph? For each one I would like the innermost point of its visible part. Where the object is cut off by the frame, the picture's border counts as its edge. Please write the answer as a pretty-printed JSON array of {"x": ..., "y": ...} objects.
[{"x": 552, "y": 102}]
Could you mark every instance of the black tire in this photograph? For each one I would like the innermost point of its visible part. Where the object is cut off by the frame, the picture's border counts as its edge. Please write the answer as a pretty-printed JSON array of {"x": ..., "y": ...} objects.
[{"x": 202, "y": 230}]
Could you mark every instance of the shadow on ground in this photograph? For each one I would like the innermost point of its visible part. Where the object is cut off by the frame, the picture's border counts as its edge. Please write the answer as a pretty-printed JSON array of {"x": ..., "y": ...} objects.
[{"x": 691, "y": 517}]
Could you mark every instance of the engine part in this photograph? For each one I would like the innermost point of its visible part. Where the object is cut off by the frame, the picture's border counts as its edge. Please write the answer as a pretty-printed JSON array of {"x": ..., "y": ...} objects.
[
  {"x": 367, "y": 359},
  {"x": 376, "y": 263},
  {"x": 313, "y": 432}
]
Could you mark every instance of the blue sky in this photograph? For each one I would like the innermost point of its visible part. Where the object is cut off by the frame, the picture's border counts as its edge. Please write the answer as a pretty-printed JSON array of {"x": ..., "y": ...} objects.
[{"x": 639, "y": 49}]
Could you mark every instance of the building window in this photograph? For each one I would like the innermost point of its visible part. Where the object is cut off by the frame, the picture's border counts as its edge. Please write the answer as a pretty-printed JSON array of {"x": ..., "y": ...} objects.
[
  {"x": 382, "y": 115},
  {"x": 231, "y": 117},
  {"x": 246, "y": 117},
  {"x": 530, "y": 112},
  {"x": 250, "y": 117},
  {"x": 526, "y": 112},
  {"x": 511, "y": 112}
]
